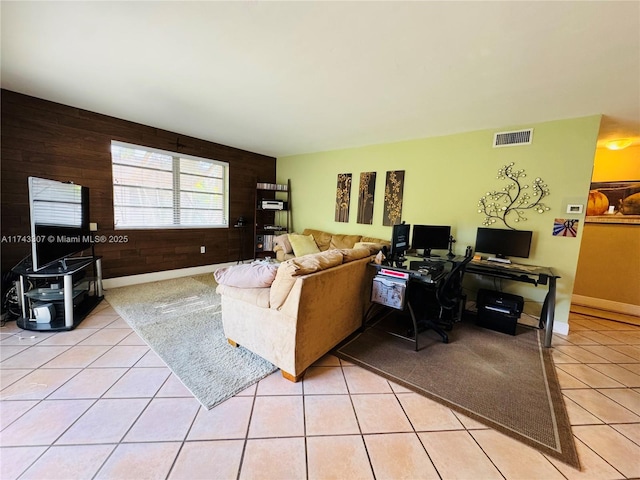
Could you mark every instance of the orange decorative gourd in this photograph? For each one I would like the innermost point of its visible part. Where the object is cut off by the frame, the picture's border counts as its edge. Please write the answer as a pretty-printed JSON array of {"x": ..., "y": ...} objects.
[{"x": 597, "y": 203}]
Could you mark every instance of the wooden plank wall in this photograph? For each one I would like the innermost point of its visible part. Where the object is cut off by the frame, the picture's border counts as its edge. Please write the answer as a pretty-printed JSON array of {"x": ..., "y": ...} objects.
[{"x": 59, "y": 142}]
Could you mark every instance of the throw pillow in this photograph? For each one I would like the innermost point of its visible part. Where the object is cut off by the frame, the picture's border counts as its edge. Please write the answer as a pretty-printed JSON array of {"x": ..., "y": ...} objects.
[
  {"x": 283, "y": 242},
  {"x": 322, "y": 239},
  {"x": 252, "y": 275},
  {"x": 303, "y": 244}
]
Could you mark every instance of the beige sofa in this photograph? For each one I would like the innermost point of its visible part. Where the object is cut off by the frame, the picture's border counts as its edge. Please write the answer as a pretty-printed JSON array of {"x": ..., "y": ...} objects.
[
  {"x": 324, "y": 241},
  {"x": 314, "y": 302}
]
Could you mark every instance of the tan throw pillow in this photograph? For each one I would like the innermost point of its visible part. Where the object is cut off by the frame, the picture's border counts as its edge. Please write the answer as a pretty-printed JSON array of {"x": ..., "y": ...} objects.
[
  {"x": 303, "y": 244},
  {"x": 323, "y": 239},
  {"x": 252, "y": 275},
  {"x": 344, "y": 241},
  {"x": 351, "y": 254},
  {"x": 316, "y": 262}
]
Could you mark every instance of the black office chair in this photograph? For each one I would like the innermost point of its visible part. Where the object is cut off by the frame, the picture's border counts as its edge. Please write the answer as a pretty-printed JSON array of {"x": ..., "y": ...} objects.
[{"x": 445, "y": 307}]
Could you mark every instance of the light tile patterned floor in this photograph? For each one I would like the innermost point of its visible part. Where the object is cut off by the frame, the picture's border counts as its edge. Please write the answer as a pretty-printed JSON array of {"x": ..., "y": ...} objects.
[{"x": 97, "y": 403}]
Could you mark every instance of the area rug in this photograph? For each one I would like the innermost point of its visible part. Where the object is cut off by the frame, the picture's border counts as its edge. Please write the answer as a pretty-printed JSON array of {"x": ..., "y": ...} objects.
[
  {"x": 505, "y": 382},
  {"x": 180, "y": 319}
]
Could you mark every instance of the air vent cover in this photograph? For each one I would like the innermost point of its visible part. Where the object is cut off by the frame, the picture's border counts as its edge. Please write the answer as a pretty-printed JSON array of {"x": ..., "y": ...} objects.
[{"x": 509, "y": 139}]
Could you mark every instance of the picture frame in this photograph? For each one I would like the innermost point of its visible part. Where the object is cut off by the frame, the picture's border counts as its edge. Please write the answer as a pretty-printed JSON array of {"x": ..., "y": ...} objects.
[{"x": 614, "y": 202}]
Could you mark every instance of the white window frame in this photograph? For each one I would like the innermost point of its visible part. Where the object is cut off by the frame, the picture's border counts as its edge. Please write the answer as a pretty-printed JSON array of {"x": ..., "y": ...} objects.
[{"x": 176, "y": 190}]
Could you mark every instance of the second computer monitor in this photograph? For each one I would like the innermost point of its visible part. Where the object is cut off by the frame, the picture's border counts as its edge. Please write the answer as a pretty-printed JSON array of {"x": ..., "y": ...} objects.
[{"x": 430, "y": 237}]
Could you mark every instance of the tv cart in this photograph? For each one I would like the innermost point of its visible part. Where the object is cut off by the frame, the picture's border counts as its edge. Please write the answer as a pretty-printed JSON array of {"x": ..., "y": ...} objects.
[{"x": 66, "y": 286}]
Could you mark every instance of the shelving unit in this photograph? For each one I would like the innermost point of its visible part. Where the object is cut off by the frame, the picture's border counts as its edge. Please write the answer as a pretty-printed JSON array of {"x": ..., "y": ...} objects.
[
  {"x": 66, "y": 286},
  {"x": 272, "y": 216}
]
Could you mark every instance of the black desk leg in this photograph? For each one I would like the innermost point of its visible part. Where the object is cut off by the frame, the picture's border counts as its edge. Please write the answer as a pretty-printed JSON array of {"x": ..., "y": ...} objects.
[
  {"x": 548, "y": 311},
  {"x": 415, "y": 324}
]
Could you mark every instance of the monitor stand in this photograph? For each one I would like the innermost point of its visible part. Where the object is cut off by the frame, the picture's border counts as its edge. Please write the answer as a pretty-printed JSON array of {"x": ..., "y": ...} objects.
[
  {"x": 395, "y": 261},
  {"x": 399, "y": 261},
  {"x": 451, "y": 242}
]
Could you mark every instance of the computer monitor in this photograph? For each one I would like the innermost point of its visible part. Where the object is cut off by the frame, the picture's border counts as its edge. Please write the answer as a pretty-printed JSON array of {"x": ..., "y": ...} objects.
[
  {"x": 399, "y": 241},
  {"x": 503, "y": 243},
  {"x": 430, "y": 237}
]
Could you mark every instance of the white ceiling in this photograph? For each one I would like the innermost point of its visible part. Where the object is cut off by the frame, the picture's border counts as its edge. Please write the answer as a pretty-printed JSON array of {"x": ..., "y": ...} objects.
[{"x": 283, "y": 78}]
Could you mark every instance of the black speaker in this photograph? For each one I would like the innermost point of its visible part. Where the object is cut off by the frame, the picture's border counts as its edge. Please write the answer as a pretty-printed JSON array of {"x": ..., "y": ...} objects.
[
  {"x": 259, "y": 243},
  {"x": 498, "y": 311}
]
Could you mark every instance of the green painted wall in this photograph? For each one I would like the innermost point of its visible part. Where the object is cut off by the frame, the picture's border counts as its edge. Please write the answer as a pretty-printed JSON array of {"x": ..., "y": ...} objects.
[{"x": 444, "y": 179}]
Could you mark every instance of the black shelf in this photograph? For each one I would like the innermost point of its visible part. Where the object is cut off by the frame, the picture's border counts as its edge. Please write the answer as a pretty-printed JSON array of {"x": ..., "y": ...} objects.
[
  {"x": 73, "y": 296},
  {"x": 281, "y": 217}
]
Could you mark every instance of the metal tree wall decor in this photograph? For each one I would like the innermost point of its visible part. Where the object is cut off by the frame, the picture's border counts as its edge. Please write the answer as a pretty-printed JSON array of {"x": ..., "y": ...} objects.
[{"x": 514, "y": 200}]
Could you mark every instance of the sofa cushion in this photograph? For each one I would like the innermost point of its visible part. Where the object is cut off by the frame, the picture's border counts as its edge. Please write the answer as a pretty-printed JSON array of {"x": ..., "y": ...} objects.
[
  {"x": 303, "y": 244},
  {"x": 371, "y": 246},
  {"x": 343, "y": 241},
  {"x": 252, "y": 275},
  {"x": 351, "y": 254},
  {"x": 282, "y": 284},
  {"x": 291, "y": 269},
  {"x": 323, "y": 239},
  {"x": 317, "y": 262},
  {"x": 255, "y": 296},
  {"x": 375, "y": 240}
]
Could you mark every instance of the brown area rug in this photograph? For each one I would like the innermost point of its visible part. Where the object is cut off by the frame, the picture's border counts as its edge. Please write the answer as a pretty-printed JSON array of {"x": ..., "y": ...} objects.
[{"x": 506, "y": 382}]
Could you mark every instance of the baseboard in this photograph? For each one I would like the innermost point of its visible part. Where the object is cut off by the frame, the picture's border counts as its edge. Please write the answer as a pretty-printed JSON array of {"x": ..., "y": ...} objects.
[
  {"x": 164, "y": 275},
  {"x": 561, "y": 328},
  {"x": 601, "y": 304}
]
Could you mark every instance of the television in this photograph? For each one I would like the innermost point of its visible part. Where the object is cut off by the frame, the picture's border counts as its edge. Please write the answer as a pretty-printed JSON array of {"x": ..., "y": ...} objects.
[
  {"x": 430, "y": 237},
  {"x": 503, "y": 243},
  {"x": 399, "y": 241},
  {"x": 59, "y": 215}
]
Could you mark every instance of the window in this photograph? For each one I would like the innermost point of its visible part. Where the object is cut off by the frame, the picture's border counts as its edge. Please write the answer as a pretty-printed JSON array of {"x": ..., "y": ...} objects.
[{"x": 158, "y": 189}]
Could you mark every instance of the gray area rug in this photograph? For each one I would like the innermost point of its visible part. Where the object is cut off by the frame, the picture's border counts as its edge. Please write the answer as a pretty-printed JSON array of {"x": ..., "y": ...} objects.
[
  {"x": 506, "y": 382},
  {"x": 180, "y": 320}
]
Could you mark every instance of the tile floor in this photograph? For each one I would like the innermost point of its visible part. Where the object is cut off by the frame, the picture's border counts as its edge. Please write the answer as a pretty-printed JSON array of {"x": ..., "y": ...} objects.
[{"x": 97, "y": 403}]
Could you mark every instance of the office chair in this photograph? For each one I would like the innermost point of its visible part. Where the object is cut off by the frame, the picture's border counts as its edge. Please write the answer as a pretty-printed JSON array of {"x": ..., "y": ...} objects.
[{"x": 445, "y": 307}]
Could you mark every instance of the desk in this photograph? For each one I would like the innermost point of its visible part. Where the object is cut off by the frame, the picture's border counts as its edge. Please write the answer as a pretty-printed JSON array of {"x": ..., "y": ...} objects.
[
  {"x": 532, "y": 274},
  {"x": 401, "y": 281}
]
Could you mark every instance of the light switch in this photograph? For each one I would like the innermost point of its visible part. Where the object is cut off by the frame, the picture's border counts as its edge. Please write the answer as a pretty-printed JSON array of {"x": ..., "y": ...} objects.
[{"x": 573, "y": 208}]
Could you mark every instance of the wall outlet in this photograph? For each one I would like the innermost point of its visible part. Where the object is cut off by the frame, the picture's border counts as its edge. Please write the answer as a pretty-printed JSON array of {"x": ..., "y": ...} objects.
[
  {"x": 93, "y": 227},
  {"x": 202, "y": 249}
]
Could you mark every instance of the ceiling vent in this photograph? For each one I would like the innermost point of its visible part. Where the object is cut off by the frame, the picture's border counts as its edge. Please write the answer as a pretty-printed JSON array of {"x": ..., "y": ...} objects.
[{"x": 509, "y": 139}]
